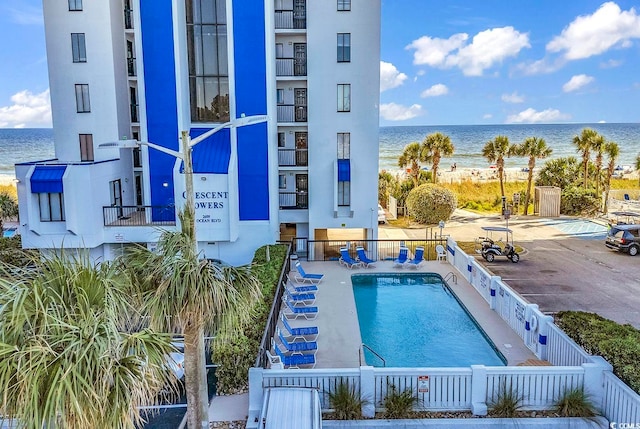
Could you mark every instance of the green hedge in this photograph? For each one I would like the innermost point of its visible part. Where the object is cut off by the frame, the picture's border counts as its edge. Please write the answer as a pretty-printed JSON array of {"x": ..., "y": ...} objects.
[
  {"x": 237, "y": 355},
  {"x": 618, "y": 344}
]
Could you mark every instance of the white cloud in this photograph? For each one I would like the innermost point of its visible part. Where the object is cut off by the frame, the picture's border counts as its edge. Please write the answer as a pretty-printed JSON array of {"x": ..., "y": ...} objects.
[
  {"x": 487, "y": 116},
  {"x": 513, "y": 98},
  {"x": 611, "y": 64},
  {"x": 26, "y": 15},
  {"x": 390, "y": 77},
  {"x": 532, "y": 116},
  {"x": 27, "y": 110},
  {"x": 577, "y": 82},
  {"x": 435, "y": 91},
  {"x": 594, "y": 34},
  {"x": 542, "y": 66},
  {"x": 487, "y": 48},
  {"x": 398, "y": 112}
]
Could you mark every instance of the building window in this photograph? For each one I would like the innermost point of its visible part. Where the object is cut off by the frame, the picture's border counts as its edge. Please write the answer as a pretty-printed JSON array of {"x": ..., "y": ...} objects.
[
  {"x": 282, "y": 181},
  {"x": 280, "y": 96},
  {"x": 208, "y": 66},
  {"x": 86, "y": 147},
  {"x": 281, "y": 140},
  {"x": 51, "y": 207},
  {"x": 344, "y": 47},
  {"x": 344, "y": 97},
  {"x": 344, "y": 5},
  {"x": 75, "y": 5},
  {"x": 344, "y": 193},
  {"x": 82, "y": 98},
  {"x": 78, "y": 48},
  {"x": 344, "y": 145}
]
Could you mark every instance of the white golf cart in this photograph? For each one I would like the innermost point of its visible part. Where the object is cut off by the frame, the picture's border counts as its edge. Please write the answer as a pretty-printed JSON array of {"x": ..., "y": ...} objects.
[{"x": 490, "y": 247}]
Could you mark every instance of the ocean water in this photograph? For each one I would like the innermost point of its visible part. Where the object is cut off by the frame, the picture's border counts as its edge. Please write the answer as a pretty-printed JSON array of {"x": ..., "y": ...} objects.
[
  {"x": 34, "y": 144},
  {"x": 468, "y": 141}
]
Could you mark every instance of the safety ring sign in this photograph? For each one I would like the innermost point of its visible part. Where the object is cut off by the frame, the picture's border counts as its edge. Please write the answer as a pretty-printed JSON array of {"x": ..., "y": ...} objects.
[{"x": 423, "y": 384}]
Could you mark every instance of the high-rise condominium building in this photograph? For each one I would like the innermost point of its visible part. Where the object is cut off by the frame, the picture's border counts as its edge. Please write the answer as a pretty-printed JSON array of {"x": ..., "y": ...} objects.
[{"x": 125, "y": 72}]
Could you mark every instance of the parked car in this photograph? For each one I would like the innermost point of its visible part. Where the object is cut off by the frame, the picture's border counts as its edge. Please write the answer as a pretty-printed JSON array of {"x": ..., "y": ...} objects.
[
  {"x": 382, "y": 216},
  {"x": 624, "y": 238}
]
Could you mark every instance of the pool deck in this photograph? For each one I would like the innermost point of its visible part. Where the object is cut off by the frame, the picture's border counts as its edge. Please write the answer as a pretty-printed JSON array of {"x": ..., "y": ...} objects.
[{"x": 339, "y": 339}]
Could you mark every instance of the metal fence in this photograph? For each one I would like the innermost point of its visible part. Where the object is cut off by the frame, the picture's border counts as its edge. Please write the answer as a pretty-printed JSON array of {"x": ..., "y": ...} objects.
[{"x": 138, "y": 215}]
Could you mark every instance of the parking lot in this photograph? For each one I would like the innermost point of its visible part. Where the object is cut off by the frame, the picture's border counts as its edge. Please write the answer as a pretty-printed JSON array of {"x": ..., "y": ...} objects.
[{"x": 565, "y": 265}]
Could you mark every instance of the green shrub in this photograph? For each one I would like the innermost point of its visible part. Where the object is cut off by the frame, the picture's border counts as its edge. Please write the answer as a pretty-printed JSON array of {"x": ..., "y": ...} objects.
[
  {"x": 506, "y": 402},
  {"x": 399, "y": 404},
  {"x": 346, "y": 402},
  {"x": 618, "y": 344},
  {"x": 237, "y": 354},
  {"x": 429, "y": 204},
  {"x": 11, "y": 252},
  {"x": 579, "y": 201},
  {"x": 575, "y": 403}
]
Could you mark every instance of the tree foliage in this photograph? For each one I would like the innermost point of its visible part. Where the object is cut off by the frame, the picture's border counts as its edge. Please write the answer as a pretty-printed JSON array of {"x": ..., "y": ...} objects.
[
  {"x": 433, "y": 148},
  {"x": 497, "y": 150},
  {"x": 429, "y": 204},
  {"x": 560, "y": 172},
  {"x": 8, "y": 207},
  {"x": 532, "y": 148}
]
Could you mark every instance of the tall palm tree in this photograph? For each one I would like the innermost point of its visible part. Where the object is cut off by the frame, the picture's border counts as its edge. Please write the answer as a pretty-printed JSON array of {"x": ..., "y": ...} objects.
[
  {"x": 495, "y": 151},
  {"x": 433, "y": 148},
  {"x": 410, "y": 158},
  {"x": 637, "y": 167},
  {"x": 183, "y": 293},
  {"x": 67, "y": 358},
  {"x": 597, "y": 145},
  {"x": 613, "y": 151},
  {"x": 583, "y": 144},
  {"x": 533, "y": 148}
]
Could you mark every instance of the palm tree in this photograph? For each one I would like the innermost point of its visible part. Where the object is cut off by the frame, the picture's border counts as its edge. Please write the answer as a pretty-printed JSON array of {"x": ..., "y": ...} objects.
[
  {"x": 495, "y": 151},
  {"x": 183, "y": 293},
  {"x": 637, "y": 167},
  {"x": 410, "y": 158},
  {"x": 534, "y": 148},
  {"x": 597, "y": 145},
  {"x": 613, "y": 151},
  {"x": 8, "y": 207},
  {"x": 67, "y": 358},
  {"x": 433, "y": 148},
  {"x": 583, "y": 144}
]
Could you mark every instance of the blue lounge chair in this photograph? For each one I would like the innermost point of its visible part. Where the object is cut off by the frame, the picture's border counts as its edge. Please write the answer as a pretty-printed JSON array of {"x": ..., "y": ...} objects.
[
  {"x": 402, "y": 257},
  {"x": 293, "y": 288},
  {"x": 307, "y": 333},
  {"x": 303, "y": 277},
  {"x": 362, "y": 257},
  {"x": 300, "y": 298},
  {"x": 417, "y": 258},
  {"x": 347, "y": 260},
  {"x": 291, "y": 361},
  {"x": 290, "y": 311},
  {"x": 297, "y": 348}
]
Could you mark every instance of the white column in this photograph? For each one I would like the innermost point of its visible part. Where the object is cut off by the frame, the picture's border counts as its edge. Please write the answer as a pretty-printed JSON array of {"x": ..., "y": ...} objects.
[
  {"x": 367, "y": 391},
  {"x": 594, "y": 378},
  {"x": 479, "y": 390}
]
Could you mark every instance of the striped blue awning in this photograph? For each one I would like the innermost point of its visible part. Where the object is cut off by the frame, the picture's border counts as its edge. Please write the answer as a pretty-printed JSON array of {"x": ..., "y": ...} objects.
[
  {"x": 47, "y": 179},
  {"x": 344, "y": 170},
  {"x": 212, "y": 155}
]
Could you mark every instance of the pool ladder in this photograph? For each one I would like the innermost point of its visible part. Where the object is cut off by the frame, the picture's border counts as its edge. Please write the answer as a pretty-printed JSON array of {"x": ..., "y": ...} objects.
[
  {"x": 364, "y": 346},
  {"x": 451, "y": 276}
]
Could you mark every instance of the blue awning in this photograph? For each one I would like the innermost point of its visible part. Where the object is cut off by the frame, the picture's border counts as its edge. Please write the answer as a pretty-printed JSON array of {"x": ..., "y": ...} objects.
[
  {"x": 344, "y": 170},
  {"x": 212, "y": 155},
  {"x": 47, "y": 179}
]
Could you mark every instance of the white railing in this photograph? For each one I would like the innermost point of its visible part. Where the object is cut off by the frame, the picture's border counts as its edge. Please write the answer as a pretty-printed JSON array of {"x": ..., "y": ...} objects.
[
  {"x": 562, "y": 350},
  {"x": 511, "y": 308},
  {"x": 481, "y": 281},
  {"x": 284, "y": 66},
  {"x": 620, "y": 404}
]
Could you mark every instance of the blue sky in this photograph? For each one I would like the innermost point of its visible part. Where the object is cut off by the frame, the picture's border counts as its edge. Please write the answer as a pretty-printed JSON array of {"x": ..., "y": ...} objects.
[{"x": 443, "y": 62}]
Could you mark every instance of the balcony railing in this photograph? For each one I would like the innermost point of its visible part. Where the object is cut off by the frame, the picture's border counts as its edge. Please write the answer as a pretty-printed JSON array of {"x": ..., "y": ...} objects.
[
  {"x": 288, "y": 20},
  {"x": 294, "y": 200},
  {"x": 291, "y": 113},
  {"x": 128, "y": 19},
  {"x": 139, "y": 215},
  {"x": 293, "y": 157},
  {"x": 134, "y": 113},
  {"x": 131, "y": 66},
  {"x": 291, "y": 67}
]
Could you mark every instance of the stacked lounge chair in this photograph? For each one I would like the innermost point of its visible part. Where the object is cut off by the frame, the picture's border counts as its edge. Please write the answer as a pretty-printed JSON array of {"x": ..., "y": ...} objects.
[
  {"x": 418, "y": 258},
  {"x": 362, "y": 257},
  {"x": 402, "y": 258},
  {"x": 347, "y": 260},
  {"x": 303, "y": 277}
]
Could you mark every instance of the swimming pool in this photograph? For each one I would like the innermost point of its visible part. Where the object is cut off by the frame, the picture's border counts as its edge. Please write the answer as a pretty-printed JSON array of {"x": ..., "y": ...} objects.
[
  {"x": 9, "y": 232},
  {"x": 414, "y": 320}
]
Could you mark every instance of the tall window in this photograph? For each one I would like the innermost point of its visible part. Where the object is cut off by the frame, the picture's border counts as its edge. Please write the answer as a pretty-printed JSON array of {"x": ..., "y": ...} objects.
[
  {"x": 281, "y": 140},
  {"x": 344, "y": 97},
  {"x": 208, "y": 66},
  {"x": 344, "y": 145},
  {"x": 78, "y": 48},
  {"x": 86, "y": 147},
  {"x": 280, "y": 96},
  {"x": 75, "y": 5},
  {"x": 344, "y": 5},
  {"x": 344, "y": 47},
  {"x": 82, "y": 98},
  {"x": 51, "y": 207}
]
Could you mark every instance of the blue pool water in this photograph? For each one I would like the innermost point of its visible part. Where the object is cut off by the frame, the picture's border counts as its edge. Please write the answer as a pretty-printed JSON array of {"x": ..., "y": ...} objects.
[
  {"x": 9, "y": 232},
  {"x": 414, "y": 320}
]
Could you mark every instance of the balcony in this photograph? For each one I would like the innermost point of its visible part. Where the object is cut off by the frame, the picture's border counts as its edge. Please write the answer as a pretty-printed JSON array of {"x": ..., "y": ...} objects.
[
  {"x": 293, "y": 157},
  {"x": 139, "y": 215},
  {"x": 290, "y": 20},
  {"x": 294, "y": 200},
  {"x": 291, "y": 67},
  {"x": 292, "y": 113}
]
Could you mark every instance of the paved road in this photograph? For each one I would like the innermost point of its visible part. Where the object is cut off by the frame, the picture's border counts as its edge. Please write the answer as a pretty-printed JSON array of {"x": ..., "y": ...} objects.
[{"x": 565, "y": 266}]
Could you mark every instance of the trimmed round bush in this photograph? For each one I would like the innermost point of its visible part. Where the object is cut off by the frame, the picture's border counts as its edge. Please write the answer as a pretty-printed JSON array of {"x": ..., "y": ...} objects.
[{"x": 429, "y": 204}]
